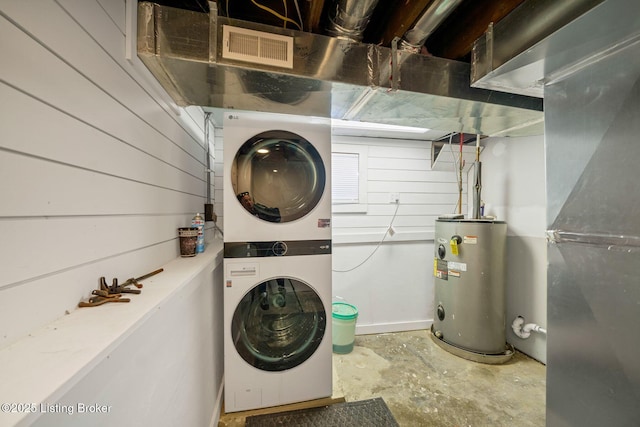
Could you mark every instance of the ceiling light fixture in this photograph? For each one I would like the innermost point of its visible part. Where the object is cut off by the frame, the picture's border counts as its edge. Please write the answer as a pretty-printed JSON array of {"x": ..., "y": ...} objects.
[{"x": 345, "y": 124}]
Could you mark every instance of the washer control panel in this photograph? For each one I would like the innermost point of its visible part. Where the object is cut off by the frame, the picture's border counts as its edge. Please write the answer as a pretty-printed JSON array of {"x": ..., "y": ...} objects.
[{"x": 276, "y": 248}]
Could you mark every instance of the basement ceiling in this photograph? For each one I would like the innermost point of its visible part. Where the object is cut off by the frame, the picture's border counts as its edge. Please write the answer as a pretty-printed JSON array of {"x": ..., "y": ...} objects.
[
  {"x": 401, "y": 63},
  {"x": 452, "y": 39}
]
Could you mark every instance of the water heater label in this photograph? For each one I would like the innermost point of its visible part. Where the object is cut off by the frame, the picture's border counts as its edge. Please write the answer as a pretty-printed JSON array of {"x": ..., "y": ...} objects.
[
  {"x": 470, "y": 240},
  {"x": 440, "y": 269},
  {"x": 459, "y": 266}
]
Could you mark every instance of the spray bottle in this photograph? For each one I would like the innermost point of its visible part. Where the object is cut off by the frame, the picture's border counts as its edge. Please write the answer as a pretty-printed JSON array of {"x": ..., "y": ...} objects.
[{"x": 198, "y": 221}]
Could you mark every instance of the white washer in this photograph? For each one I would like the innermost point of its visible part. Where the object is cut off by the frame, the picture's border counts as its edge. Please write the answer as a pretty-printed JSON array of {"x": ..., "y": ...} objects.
[
  {"x": 277, "y": 324},
  {"x": 282, "y": 164}
]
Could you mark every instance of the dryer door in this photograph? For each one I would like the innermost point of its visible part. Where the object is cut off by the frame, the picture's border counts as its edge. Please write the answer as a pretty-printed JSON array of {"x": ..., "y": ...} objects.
[
  {"x": 278, "y": 324},
  {"x": 278, "y": 176}
]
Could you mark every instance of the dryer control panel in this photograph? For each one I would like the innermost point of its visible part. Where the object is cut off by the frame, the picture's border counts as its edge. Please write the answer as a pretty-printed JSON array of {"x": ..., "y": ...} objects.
[{"x": 276, "y": 248}]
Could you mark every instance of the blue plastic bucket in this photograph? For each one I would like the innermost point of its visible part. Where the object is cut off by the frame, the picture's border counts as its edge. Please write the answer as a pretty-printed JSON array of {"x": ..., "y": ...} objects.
[{"x": 344, "y": 318}]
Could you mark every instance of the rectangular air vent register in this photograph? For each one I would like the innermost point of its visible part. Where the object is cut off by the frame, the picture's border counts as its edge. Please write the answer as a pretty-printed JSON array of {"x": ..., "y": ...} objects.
[{"x": 257, "y": 47}]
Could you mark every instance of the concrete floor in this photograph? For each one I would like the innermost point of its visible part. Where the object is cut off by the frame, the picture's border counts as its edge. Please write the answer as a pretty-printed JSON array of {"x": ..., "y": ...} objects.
[{"x": 424, "y": 385}]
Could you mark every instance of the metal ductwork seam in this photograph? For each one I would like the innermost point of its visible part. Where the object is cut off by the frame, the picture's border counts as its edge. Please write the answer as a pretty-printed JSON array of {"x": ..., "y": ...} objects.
[
  {"x": 432, "y": 17},
  {"x": 349, "y": 18}
]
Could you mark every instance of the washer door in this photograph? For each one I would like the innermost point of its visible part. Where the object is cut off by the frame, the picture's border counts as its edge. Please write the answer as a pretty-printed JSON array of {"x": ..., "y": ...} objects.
[
  {"x": 278, "y": 324},
  {"x": 278, "y": 176}
]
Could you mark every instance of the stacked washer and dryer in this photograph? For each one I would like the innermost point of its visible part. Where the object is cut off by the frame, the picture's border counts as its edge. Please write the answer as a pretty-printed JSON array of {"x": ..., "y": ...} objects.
[{"x": 277, "y": 260}]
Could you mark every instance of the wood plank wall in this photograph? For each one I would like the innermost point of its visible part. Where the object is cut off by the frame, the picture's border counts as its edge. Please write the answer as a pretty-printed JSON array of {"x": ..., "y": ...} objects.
[{"x": 97, "y": 170}]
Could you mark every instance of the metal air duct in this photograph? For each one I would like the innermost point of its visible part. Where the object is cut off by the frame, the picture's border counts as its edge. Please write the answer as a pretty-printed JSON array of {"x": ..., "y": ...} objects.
[
  {"x": 328, "y": 77},
  {"x": 432, "y": 17},
  {"x": 413, "y": 40},
  {"x": 517, "y": 54},
  {"x": 349, "y": 18}
]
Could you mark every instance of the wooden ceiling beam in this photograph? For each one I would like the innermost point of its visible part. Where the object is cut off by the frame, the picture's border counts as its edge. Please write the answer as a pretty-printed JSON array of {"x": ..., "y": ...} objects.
[
  {"x": 393, "y": 19},
  {"x": 313, "y": 17},
  {"x": 455, "y": 37}
]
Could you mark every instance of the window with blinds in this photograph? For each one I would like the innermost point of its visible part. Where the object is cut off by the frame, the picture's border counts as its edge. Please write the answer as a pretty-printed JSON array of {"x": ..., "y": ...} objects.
[
  {"x": 349, "y": 178},
  {"x": 345, "y": 178}
]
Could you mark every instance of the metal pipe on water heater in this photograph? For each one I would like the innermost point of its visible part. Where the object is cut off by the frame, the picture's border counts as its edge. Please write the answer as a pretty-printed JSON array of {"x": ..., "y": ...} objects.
[
  {"x": 460, "y": 167},
  {"x": 477, "y": 182}
]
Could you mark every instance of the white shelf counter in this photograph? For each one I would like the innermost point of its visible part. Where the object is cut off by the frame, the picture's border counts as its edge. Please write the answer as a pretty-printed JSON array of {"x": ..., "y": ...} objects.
[{"x": 41, "y": 367}]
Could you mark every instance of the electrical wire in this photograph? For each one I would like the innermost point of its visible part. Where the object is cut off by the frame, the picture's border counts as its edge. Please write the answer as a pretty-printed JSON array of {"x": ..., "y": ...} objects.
[
  {"x": 295, "y": 2},
  {"x": 286, "y": 14},
  {"x": 377, "y": 246},
  {"x": 276, "y": 14}
]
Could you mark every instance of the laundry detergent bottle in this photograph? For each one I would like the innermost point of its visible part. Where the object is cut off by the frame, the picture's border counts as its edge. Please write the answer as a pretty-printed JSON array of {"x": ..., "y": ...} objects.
[{"x": 198, "y": 221}]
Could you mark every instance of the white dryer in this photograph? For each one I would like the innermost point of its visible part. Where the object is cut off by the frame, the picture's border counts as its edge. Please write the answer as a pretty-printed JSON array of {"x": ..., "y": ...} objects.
[
  {"x": 276, "y": 177},
  {"x": 277, "y": 324}
]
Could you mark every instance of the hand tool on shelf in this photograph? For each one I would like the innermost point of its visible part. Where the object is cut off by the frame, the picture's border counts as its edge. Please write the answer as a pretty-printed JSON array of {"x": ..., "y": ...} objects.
[
  {"x": 135, "y": 281},
  {"x": 99, "y": 300},
  {"x": 114, "y": 292},
  {"x": 117, "y": 289}
]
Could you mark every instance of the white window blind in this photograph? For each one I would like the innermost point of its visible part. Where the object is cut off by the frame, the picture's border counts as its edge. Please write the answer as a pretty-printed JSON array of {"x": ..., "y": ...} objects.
[{"x": 345, "y": 178}]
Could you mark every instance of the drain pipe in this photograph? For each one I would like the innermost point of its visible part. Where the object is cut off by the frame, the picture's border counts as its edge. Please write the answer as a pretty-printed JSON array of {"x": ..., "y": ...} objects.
[
  {"x": 349, "y": 18},
  {"x": 524, "y": 331},
  {"x": 432, "y": 17}
]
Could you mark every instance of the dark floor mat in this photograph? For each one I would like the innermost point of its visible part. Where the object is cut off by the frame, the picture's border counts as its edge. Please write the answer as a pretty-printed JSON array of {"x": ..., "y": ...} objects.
[{"x": 370, "y": 413}]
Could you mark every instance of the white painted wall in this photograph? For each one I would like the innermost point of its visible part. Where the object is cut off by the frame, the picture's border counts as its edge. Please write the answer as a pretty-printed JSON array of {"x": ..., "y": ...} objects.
[
  {"x": 97, "y": 170},
  {"x": 513, "y": 188},
  {"x": 393, "y": 288}
]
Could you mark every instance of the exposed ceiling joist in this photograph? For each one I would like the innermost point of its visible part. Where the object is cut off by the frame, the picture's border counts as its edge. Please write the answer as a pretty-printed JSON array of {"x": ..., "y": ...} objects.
[
  {"x": 393, "y": 19},
  {"x": 314, "y": 16},
  {"x": 454, "y": 38}
]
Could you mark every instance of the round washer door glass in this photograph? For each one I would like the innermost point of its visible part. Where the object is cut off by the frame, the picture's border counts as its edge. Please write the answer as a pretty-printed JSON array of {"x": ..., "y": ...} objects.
[
  {"x": 278, "y": 324},
  {"x": 278, "y": 176}
]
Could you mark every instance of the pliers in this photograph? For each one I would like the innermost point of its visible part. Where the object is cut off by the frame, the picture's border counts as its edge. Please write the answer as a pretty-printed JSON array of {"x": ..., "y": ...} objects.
[{"x": 115, "y": 289}]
